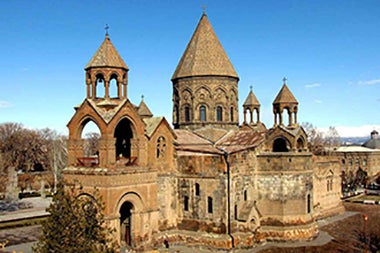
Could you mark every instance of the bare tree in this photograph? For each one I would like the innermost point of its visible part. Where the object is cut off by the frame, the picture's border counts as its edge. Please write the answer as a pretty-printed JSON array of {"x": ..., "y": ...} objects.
[
  {"x": 91, "y": 143},
  {"x": 319, "y": 143},
  {"x": 56, "y": 149}
]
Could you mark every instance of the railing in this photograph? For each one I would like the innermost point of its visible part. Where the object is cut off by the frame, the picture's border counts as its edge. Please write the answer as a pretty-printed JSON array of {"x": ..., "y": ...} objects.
[
  {"x": 88, "y": 161},
  {"x": 94, "y": 161}
]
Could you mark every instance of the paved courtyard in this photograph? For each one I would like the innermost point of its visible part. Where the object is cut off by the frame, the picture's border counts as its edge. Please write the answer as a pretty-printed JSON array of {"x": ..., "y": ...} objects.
[{"x": 333, "y": 230}]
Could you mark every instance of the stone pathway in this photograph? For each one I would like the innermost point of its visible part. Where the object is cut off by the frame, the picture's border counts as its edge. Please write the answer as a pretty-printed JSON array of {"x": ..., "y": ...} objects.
[{"x": 22, "y": 239}]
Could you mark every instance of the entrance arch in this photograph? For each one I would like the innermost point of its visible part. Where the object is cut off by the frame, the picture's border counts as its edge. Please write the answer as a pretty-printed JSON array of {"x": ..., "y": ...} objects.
[
  {"x": 126, "y": 223},
  {"x": 129, "y": 207}
]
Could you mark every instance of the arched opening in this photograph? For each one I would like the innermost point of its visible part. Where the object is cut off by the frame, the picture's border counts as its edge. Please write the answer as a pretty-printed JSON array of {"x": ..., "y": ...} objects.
[
  {"x": 219, "y": 113},
  {"x": 91, "y": 136},
  {"x": 280, "y": 145},
  {"x": 308, "y": 203},
  {"x": 300, "y": 144},
  {"x": 197, "y": 189},
  {"x": 202, "y": 113},
  {"x": 231, "y": 114},
  {"x": 187, "y": 114},
  {"x": 161, "y": 147},
  {"x": 126, "y": 223},
  {"x": 113, "y": 89},
  {"x": 175, "y": 115},
  {"x": 100, "y": 88},
  {"x": 123, "y": 135}
]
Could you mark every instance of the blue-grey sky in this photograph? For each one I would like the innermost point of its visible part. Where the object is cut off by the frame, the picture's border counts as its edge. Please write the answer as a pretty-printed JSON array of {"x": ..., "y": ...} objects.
[{"x": 328, "y": 50}]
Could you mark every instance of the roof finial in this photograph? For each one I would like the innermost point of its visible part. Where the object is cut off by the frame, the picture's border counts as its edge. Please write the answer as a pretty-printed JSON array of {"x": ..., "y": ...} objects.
[
  {"x": 106, "y": 28},
  {"x": 142, "y": 97},
  {"x": 284, "y": 80},
  {"x": 204, "y": 7},
  {"x": 251, "y": 87}
]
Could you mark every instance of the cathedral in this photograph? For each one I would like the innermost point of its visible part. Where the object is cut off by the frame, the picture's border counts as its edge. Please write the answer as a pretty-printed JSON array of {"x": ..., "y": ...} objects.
[{"x": 205, "y": 179}]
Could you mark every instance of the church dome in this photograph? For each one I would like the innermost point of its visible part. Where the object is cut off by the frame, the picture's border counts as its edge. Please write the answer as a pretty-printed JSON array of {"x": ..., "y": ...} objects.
[{"x": 374, "y": 142}]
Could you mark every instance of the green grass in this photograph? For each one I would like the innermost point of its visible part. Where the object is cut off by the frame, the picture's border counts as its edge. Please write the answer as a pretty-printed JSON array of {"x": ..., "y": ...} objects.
[{"x": 22, "y": 223}]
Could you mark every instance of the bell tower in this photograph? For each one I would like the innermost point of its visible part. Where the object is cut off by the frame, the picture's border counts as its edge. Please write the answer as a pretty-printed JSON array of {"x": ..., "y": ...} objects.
[
  {"x": 106, "y": 68},
  {"x": 285, "y": 101}
]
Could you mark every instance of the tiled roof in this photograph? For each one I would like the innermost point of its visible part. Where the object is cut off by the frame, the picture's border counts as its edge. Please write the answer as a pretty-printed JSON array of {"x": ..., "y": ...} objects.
[
  {"x": 106, "y": 56},
  {"x": 239, "y": 140},
  {"x": 251, "y": 100},
  {"x": 204, "y": 54},
  {"x": 143, "y": 110},
  {"x": 190, "y": 143},
  {"x": 151, "y": 124},
  {"x": 211, "y": 133},
  {"x": 285, "y": 96},
  {"x": 185, "y": 137}
]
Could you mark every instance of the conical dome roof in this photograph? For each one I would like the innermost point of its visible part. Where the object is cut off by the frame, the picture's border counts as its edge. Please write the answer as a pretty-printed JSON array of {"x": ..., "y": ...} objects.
[
  {"x": 143, "y": 110},
  {"x": 285, "y": 96},
  {"x": 204, "y": 55},
  {"x": 251, "y": 100},
  {"x": 106, "y": 56}
]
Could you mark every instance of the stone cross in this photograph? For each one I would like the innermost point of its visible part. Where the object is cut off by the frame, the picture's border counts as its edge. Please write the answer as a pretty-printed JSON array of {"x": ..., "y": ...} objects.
[{"x": 106, "y": 28}]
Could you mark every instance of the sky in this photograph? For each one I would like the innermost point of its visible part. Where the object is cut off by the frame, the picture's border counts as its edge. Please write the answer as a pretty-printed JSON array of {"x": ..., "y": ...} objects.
[{"x": 329, "y": 50}]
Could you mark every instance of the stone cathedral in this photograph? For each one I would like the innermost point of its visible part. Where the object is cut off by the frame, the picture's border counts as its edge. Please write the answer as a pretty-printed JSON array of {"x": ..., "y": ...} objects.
[{"x": 208, "y": 180}]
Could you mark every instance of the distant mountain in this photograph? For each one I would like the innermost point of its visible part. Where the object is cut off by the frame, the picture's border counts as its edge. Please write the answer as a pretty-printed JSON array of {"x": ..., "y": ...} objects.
[{"x": 353, "y": 140}]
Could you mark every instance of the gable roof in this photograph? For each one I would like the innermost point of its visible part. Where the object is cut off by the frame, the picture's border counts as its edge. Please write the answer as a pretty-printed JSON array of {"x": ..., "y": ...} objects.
[
  {"x": 285, "y": 96},
  {"x": 204, "y": 55},
  {"x": 106, "y": 56},
  {"x": 236, "y": 141}
]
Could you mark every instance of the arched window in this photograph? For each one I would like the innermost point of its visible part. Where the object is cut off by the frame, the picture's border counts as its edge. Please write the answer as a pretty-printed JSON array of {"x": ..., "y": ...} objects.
[
  {"x": 202, "y": 113},
  {"x": 113, "y": 87},
  {"x": 197, "y": 189},
  {"x": 245, "y": 195},
  {"x": 186, "y": 203},
  {"x": 100, "y": 86},
  {"x": 219, "y": 113},
  {"x": 209, "y": 205},
  {"x": 232, "y": 114},
  {"x": 308, "y": 203},
  {"x": 161, "y": 147},
  {"x": 187, "y": 114}
]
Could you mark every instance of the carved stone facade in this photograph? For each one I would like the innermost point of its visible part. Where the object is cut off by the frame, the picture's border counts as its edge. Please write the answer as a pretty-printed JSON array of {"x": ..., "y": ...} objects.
[{"x": 207, "y": 182}]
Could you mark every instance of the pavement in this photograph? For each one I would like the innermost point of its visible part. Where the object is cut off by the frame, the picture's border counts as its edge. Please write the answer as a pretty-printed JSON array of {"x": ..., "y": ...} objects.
[
  {"x": 38, "y": 210},
  {"x": 25, "y": 234}
]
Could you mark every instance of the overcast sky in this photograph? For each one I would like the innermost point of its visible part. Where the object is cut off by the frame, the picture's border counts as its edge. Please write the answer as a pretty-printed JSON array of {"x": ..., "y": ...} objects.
[{"x": 328, "y": 50}]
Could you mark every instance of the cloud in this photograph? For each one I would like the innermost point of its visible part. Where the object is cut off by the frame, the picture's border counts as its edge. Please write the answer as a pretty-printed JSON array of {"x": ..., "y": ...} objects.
[
  {"x": 312, "y": 85},
  {"x": 350, "y": 131},
  {"x": 317, "y": 101},
  {"x": 369, "y": 82},
  {"x": 5, "y": 104}
]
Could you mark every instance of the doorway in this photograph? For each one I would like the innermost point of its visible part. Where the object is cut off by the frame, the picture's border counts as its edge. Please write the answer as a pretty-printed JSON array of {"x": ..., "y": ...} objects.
[{"x": 126, "y": 223}]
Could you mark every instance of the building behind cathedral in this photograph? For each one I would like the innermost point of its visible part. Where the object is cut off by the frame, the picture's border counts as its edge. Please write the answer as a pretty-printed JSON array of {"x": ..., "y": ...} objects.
[{"x": 209, "y": 180}]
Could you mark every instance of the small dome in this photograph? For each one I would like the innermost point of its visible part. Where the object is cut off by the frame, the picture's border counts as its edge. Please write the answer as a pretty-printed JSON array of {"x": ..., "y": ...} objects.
[{"x": 374, "y": 142}]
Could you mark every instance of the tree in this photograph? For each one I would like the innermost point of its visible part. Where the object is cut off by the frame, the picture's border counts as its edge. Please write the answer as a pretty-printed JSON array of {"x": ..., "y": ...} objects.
[
  {"x": 319, "y": 143},
  {"x": 314, "y": 137},
  {"x": 56, "y": 152},
  {"x": 76, "y": 224},
  {"x": 91, "y": 143}
]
